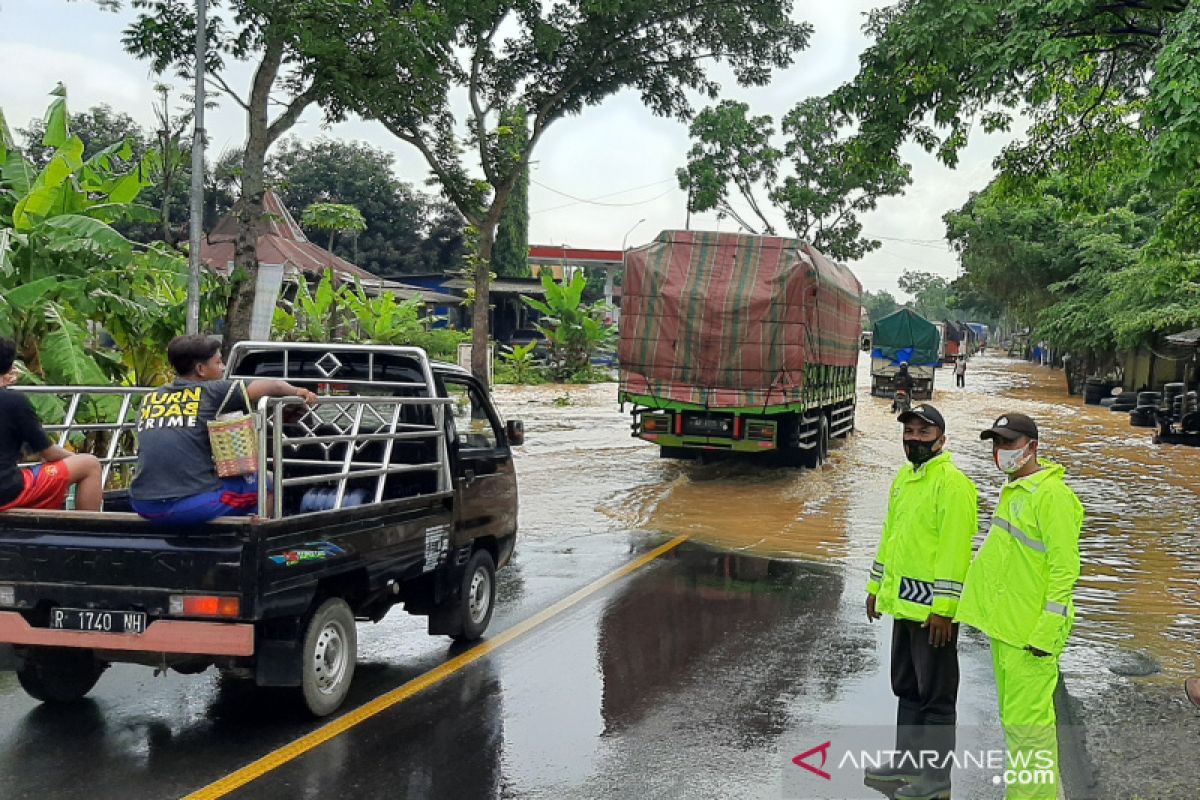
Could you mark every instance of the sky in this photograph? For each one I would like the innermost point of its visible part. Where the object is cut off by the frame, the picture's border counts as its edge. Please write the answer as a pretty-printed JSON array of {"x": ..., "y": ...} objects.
[{"x": 616, "y": 155}]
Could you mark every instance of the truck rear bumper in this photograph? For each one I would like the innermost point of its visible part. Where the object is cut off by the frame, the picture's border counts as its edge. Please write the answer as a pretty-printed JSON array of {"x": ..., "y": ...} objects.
[{"x": 161, "y": 636}]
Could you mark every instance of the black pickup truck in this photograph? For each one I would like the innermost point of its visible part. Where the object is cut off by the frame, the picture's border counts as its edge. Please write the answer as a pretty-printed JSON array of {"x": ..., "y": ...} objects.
[{"x": 397, "y": 486}]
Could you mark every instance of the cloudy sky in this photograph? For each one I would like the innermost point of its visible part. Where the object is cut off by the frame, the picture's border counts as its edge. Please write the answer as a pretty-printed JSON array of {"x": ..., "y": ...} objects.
[{"x": 616, "y": 155}]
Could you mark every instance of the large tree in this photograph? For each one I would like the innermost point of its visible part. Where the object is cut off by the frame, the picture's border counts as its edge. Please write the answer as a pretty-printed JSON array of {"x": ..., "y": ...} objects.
[
  {"x": 820, "y": 180},
  {"x": 263, "y": 32},
  {"x": 354, "y": 173},
  {"x": 553, "y": 59}
]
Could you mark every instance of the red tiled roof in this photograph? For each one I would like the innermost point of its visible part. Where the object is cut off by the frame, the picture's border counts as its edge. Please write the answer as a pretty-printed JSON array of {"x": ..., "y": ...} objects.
[{"x": 281, "y": 242}]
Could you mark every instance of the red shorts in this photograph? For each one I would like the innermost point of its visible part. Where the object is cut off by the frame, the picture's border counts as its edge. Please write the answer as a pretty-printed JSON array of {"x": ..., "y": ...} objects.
[{"x": 46, "y": 486}]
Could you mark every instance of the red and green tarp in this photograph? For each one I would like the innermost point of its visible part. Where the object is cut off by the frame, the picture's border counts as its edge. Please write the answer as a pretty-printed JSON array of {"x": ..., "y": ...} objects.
[{"x": 724, "y": 320}]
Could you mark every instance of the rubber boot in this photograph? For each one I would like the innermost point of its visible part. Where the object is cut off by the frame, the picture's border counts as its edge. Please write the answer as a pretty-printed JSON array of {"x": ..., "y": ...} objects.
[
  {"x": 938, "y": 737},
  {"x": 908, "y": 747}
]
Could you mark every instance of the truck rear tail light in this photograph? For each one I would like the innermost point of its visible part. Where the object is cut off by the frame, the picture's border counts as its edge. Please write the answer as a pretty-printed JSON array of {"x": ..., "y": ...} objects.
[
  {"x": 656, "y": 423},
  {"x": 760, "y": 431},
  {"x": 8, "y": 596},
  {"x": 198, "y": 605}
]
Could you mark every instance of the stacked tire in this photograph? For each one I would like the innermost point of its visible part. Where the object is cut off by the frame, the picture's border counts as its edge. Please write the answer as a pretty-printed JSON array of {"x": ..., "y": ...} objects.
[
  {"x": 1142, "y": 416},
  {"x": 1173, "y": 398},
  {"x": 1125, "y": 402},
  {"x": 1094, "y": 390}
]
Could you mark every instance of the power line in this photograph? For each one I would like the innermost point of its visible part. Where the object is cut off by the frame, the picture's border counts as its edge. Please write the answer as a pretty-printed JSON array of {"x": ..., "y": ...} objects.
[{"x": 595, "y": 200}]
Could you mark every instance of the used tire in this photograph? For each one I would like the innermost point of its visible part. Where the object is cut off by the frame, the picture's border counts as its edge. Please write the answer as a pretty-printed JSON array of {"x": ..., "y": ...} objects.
[
  {"x": 329, "y": 655},
  {"x": 59, "y": 675},
  {"x": 477, "y": 596}
]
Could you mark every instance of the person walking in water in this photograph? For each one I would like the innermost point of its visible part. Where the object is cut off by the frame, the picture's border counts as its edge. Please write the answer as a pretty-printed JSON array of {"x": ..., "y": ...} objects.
[
  {"x": 960, "y": 372},
  {"x": 917, "y": 578}
]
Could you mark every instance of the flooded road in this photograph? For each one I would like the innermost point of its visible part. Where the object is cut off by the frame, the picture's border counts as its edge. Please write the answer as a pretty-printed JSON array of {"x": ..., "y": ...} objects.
[
  {"x": 1140, "y": 587},
  {"x": 701, "y": 674}
]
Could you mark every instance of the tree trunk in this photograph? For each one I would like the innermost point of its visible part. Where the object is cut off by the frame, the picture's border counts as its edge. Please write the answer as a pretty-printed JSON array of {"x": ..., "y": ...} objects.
[
  {"x": 250, "y": 205},
  {"x": 245, "y": 249},
  {"x": 480, "y": 322}
]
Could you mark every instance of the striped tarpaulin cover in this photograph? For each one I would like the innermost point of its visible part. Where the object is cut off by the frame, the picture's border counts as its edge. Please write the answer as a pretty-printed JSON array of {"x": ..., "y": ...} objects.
[{"x": 726, "y": 320}]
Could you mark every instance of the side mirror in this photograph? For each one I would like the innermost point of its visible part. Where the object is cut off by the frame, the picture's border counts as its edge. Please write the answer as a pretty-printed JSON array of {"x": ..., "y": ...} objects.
[{"x": 516, "y": 432}]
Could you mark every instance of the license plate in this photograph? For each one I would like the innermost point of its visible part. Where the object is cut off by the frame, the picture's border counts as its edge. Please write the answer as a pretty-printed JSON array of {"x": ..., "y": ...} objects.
[
  {"x": 83, "y": 619},
  {"x": 708, "y": 425}
]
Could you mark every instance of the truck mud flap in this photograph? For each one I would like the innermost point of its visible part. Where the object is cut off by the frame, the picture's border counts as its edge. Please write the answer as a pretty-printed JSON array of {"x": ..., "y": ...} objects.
[
  {"x": 277, "y": 663},
  {"x": 9, "y": 660}
]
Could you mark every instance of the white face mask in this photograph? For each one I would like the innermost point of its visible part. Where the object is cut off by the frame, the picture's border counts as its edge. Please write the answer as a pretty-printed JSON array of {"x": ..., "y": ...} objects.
[{"x": 1010, "y": 461}]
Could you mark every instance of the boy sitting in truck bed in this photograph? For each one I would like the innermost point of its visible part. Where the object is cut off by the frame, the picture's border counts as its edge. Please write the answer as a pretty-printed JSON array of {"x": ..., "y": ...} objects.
[
  {"x": 46, "y": 485},
  {"x": 176, "y": 481}
]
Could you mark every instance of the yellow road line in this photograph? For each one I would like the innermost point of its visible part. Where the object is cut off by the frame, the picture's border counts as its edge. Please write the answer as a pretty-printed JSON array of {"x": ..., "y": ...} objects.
[{"x": 293, "y": 750}]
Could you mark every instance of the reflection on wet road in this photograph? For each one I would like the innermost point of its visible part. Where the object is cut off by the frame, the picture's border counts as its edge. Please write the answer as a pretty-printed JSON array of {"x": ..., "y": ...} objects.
[{"x": 699, "y": 675}]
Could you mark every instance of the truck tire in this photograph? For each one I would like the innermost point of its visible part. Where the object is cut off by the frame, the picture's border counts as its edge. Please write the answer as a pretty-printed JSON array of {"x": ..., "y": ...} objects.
[
  {"x": 476, "y": 597},
  {"x": 59, "y": 675},
  {"x": 816, "y": 456},
  {"x": 329, "y": 655}
]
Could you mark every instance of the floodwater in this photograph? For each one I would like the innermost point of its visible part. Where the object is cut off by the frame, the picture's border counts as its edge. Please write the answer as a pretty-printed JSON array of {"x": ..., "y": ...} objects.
[{"x": 1141, "y": 562}]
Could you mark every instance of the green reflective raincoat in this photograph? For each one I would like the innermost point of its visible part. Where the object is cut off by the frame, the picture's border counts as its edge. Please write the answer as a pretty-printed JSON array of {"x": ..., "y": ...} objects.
[
  {"x": 1019, "y": 588},
  {"x": 926, "y": 544}
]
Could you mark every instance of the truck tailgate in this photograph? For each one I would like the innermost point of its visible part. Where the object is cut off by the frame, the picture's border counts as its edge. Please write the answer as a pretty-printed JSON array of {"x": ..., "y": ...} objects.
[{"x": 114, "y": 560}]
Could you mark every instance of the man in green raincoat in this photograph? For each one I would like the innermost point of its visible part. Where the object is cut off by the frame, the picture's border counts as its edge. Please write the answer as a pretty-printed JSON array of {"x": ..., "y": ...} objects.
[{"x": 1019, "y": 591}]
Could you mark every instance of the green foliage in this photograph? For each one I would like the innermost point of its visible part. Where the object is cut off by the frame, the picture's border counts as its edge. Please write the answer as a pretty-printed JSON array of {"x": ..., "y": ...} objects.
[
  {"x": 335, "y": 218},
  {"x": 519, "y": 365},
  {"x": 510, "y": 256},
  {"x": 406, "y": 231},
  {"x": 574, "y": 331},
  {"x": 408, "y": 66},
  {"x": 333, "y": 312},
  {"x": 879, "y": 304},
  {"x": 820, "y": 181},
  {"x": 68, "y": 277},
  {"x": 930, "y": 294}
]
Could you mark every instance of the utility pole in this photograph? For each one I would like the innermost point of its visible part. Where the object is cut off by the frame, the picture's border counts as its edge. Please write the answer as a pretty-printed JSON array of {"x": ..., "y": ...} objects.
[{"x": 196, "y": 226}]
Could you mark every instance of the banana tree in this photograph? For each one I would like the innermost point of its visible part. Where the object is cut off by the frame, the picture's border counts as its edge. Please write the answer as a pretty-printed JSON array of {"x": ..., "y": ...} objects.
[
  {"x": 66, "y": 274},
  {"x": 574, "y": 331}
]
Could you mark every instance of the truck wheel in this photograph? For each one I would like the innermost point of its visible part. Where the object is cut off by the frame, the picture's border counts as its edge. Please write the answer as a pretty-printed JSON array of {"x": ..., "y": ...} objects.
[
  {"x": 59, "y": 675},
  {"x": 816, "y": 456},
  {"x": 477, "y": 596},
  {"x": 330, "y": 653}
]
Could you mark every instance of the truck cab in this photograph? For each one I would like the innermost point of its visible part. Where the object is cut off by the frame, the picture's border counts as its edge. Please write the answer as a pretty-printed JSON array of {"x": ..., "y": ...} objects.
[{"x": 397, "y": 487}]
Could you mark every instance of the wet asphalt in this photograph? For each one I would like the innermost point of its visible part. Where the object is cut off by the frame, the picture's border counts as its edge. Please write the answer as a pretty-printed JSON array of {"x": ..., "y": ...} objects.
[{"x": 701, "y": 675}]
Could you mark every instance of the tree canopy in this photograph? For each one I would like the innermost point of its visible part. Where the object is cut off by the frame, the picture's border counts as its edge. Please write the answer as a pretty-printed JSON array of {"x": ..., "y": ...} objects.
[
  {"x": 820, "y": 180},
  {"x": 406, "y": 69},
  {"x": 1089, "y": 233},
  {"x": 399, "y": 220}
]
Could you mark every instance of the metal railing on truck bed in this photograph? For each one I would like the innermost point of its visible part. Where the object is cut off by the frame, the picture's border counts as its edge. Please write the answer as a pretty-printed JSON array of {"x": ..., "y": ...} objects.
[{"x": 350, "y": 448}]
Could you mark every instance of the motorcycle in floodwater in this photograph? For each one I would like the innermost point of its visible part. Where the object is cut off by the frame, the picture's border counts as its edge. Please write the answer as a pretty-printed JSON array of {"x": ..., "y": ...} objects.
[{"x": 901, "y": 402}]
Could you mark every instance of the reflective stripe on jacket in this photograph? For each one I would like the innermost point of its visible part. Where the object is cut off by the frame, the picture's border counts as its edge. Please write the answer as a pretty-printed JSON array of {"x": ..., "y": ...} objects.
[
  {"x": 926, "y": 544},
  {"x": 1019, "y": 588}
]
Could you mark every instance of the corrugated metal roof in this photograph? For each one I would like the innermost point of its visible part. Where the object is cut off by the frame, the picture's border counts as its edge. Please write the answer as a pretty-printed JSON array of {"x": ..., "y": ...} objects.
[{"x": 501, "y": 285}]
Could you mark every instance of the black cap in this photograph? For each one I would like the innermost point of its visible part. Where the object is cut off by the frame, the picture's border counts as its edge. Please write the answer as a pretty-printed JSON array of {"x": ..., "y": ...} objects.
[
  {"x": 1011, "y": 427},
  {"x": 925, "y": 413}
]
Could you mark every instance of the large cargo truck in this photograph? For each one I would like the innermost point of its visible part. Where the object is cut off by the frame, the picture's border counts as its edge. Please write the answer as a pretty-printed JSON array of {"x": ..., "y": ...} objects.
[
  {"x": 904, "y": 337},
  {"x": 739, "y": 344}
]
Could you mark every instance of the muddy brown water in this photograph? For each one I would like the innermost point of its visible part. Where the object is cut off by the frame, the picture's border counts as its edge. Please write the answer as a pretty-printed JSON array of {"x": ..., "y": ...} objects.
[{"x": 1141, "y": 559}]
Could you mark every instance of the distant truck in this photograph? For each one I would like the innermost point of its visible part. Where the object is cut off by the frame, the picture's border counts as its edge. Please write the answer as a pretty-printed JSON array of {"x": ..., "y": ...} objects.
[
  {"x": 904, "y": 337},
  {"x": 739, "y": 344}
]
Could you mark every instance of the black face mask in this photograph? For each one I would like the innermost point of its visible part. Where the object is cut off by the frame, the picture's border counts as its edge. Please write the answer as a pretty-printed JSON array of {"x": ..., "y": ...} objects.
[{"x": 918, "y": 452}]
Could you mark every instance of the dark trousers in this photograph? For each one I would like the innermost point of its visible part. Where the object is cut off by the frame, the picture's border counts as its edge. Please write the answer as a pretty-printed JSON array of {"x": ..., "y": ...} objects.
[
  {"x": 925, "y": 681},
  {"x": 961, "y": 381},
  {"x": 924, "y": 677}
]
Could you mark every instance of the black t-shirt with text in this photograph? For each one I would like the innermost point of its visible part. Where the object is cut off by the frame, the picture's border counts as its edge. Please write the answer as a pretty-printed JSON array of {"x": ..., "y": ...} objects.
[
  {"x": 174, "y": 455},
  {"x": 19, "y": 429}
]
